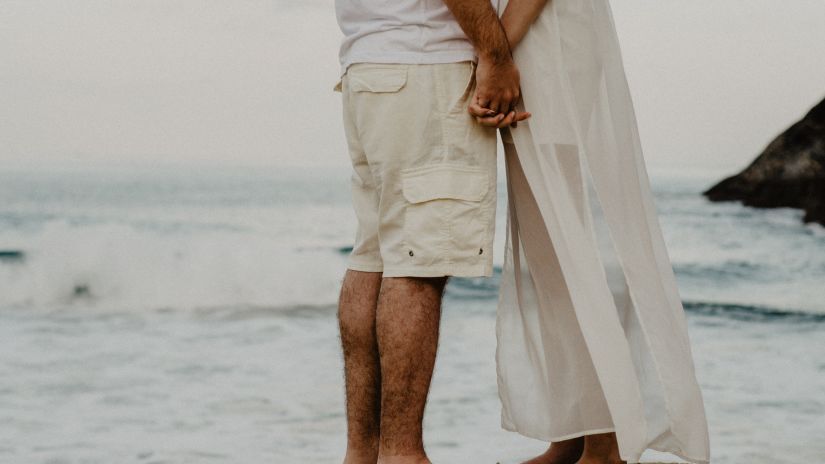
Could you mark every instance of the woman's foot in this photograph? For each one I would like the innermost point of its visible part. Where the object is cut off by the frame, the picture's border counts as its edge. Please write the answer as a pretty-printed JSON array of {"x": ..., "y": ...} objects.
[
  {"x": 601, "y": 448},
  {"x": 561, "y": 452}
]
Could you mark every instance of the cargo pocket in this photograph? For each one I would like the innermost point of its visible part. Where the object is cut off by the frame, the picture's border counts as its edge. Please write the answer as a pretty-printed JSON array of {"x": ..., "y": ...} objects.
[
  {"x": 445, "y": 218},
  {"x": 376, "y": 78}
]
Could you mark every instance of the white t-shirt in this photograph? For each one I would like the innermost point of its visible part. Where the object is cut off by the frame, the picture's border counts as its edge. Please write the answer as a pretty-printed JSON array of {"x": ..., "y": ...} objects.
[{"x": 400, "y": 31}]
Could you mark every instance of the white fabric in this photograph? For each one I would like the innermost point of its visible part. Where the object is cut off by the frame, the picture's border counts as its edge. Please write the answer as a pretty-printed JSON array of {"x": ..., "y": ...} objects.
[
  {"x": 591, "y": 331},
  {"x": 400, "y": 31}
]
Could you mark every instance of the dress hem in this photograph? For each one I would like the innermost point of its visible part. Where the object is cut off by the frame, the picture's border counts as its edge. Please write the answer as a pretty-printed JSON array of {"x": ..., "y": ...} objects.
[{"x": 629, "y": 459}]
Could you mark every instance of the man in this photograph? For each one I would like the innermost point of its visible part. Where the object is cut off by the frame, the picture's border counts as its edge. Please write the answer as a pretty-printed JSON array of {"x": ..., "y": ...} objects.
[{"x": 424, "y": 192}]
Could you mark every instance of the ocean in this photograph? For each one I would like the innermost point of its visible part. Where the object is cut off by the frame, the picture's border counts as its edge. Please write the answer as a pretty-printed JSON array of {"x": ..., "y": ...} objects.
[{"x": 186, "y": 314}]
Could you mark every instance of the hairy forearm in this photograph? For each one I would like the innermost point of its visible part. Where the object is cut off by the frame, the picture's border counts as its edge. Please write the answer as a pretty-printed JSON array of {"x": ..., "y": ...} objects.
[
  {"x": 518, "y": 16},
  {"x": 480, "y": 22}
]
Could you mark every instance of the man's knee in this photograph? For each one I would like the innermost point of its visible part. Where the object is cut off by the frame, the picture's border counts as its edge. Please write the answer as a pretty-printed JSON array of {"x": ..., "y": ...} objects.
[
  {"x": 357, "y": 330},
  {"x": 356, "y": 310},
  {"x": 405, "y": 299}
]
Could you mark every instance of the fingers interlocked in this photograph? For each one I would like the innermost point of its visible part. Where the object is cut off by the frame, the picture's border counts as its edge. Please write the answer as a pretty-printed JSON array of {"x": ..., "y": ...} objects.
[{"x": 487, "y": 116}]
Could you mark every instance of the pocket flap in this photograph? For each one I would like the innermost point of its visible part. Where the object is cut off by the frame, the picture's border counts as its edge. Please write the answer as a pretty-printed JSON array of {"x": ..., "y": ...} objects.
[
  {"x": 377, "y": 79},
  {"x": 433, "y": 182}
]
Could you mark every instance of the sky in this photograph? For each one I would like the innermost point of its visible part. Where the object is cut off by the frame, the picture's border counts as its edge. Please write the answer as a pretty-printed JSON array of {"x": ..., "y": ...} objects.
[{"x": 249, "y": 82}]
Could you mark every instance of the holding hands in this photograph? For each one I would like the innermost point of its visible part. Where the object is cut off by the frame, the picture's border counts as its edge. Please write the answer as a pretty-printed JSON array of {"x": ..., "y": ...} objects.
[
  {"x": 497, "y": 93},
  {"x": 497, "y": 78}
]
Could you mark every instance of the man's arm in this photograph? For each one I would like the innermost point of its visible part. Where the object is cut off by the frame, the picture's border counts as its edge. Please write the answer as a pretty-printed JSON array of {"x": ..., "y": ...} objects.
[
  {"x": 497, "y": 78},
  {"x": 480, "y": 22}
]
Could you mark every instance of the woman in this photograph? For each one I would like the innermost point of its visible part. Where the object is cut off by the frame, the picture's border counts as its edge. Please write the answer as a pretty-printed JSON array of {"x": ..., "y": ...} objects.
[{"x": 593, "y": 353}]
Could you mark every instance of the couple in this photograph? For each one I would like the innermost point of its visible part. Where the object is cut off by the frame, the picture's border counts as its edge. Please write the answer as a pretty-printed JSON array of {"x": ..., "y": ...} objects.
[{"x": 593, "y": 354}]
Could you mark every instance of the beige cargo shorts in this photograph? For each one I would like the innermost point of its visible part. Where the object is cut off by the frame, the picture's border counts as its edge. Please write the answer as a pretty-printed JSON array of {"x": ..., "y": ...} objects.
[{"x": 424, "y": 172}]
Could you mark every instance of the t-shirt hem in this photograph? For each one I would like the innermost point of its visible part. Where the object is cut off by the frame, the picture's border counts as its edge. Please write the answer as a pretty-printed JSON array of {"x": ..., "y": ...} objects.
[{"x": 452, "y": 56}]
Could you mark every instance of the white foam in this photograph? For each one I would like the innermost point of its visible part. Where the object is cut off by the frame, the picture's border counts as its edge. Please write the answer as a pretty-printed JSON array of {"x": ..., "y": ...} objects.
[{"x": 121, "y": 266}]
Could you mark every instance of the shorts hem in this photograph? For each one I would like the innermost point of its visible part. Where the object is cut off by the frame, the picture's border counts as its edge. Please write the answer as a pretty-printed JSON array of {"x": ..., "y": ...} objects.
[
  {"x": 474, "y": 270},
  {"x": 410, "y": 58},
  {"x": 365, "y": 267}
]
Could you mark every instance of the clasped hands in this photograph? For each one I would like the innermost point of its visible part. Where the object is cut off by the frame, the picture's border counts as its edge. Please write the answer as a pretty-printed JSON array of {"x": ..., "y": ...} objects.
[{"x": 497, "y": 93}]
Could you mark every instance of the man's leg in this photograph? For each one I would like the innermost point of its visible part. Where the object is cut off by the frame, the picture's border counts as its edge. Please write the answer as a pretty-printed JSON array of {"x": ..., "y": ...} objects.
[
  {"x": 562, "y": 452},
  {"x": 409, "y": 313},
  {"x": 601, "y": 448},
  {"x": 356, "y": 318}
]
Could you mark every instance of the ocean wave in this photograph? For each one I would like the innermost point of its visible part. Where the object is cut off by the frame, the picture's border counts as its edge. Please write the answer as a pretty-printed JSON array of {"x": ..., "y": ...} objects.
[
  {"x": 119, "y": 266},
  {"x": 12, "y": 256},
  {"x": 248, "y": 312},
  {"x": 751, "y": 313},
  {"x": 729, "y": 270}
]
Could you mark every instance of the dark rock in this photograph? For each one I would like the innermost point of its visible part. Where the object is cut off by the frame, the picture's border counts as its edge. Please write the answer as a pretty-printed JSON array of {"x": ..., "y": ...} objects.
[
  {"x": 12, "y": 255},
  {"x": 81, "y": 290},
  {"x": 790, "y": 173}
]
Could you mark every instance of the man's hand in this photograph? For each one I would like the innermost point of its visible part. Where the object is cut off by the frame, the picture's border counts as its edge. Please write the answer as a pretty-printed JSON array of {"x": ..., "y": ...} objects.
[
  {"x": 497, "y": 79},
  {"x": 497, "y": 84},
  {"x": 497, "y": 93}
]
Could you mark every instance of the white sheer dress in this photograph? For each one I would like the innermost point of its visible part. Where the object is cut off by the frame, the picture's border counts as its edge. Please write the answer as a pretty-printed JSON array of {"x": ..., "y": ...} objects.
[{"x": 591, "y": 330}]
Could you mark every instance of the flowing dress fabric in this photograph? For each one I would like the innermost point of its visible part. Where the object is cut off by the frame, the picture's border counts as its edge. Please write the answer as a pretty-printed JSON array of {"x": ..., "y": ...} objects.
[{"x": 591, "y": 331}]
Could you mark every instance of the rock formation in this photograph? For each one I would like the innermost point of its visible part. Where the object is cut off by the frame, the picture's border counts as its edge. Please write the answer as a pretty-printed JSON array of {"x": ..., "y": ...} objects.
[{"x": 789, "y": 173}]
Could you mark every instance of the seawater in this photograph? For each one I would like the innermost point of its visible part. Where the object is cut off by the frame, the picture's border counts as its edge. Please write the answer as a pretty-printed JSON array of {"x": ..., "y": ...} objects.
[{"x": 177, "y": 315}]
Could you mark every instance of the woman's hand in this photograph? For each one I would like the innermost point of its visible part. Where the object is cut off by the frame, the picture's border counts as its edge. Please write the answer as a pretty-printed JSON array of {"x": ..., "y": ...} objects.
[{"x": 489, "y": 118}]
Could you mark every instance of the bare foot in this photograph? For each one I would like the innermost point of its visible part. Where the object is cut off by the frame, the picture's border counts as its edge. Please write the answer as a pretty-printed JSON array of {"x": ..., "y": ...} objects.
[
  {"x": 361, "y": 457},
  {"x": 601, "y": 448},
  {"x": 590, "y": 460},
  {"x": 562, "y": 452},
  {"x": 414, "y": 459}
]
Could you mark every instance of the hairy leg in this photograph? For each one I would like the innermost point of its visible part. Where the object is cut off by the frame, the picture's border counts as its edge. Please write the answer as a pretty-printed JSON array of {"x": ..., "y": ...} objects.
[
  {"x": 601, "y": 448},
  {"x": 409, "y": 313},
  {"x": 356, "y": 318},
  {"x": 562, "y": 452}
]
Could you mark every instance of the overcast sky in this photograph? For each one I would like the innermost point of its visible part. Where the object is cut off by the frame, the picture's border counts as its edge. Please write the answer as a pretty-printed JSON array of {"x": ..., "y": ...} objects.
[{"x": 250, "y": 82}]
